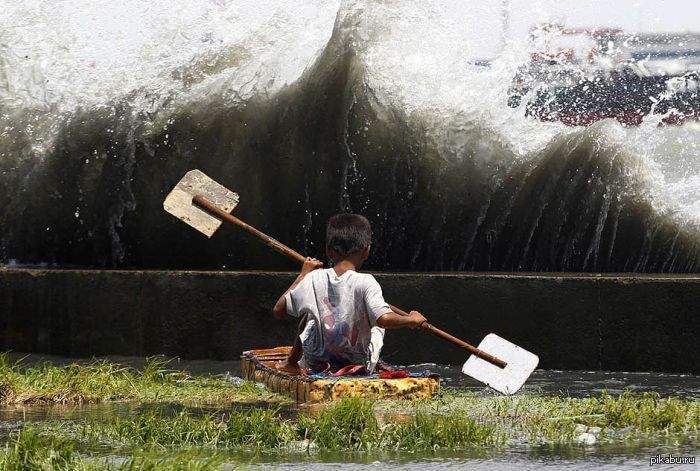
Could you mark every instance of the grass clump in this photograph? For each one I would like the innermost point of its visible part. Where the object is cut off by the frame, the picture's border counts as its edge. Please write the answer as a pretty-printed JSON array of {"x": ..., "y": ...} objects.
[
  {"x": 32, "y": 450},
  {"x": 554, "y": 419},
  {"x": 255, "y": 429},
  {"x": 178, "y": 462},
  {"x": 426, "y": 431},
  {"x": 646, "y": 412},
  {"x": 349, "y": 424},
  {"x": 105, "y": 381},
  {"x": 29, "y": 450},
  {"x": 455, "y": 422}
]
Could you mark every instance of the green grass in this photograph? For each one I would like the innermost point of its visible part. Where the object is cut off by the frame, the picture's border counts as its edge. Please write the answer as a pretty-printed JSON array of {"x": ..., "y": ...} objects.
[
  {"x": 256, "y": 429},
  {"x": 426, "y": 431},
  {"x": 646, "y": 412},
  {"x": 168, "y": 437},
  {"x": 161, "y": 438},
  {"x": 105, "y": 381},
  {"x": 30, "y": 450},
  {"x": 553, "y": 419},
  {"x": 349, "y": 424}
]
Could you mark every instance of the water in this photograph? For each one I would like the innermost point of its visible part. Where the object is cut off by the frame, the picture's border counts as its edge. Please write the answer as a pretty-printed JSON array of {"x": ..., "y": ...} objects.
[
  {"x": 511, "y": 461},
  {"x": 581, "y": 383},
  {"x": 631, "y": 454},
  {"x": 545, "y": 382},
  {"x": 306, "y": 110}
]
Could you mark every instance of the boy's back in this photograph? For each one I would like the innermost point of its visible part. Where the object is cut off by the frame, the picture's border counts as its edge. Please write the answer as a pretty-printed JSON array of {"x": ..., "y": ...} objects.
[{"x": 342, "y": 313}]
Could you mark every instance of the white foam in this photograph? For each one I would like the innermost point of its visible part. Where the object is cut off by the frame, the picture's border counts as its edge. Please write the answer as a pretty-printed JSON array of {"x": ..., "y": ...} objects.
[{"x": 59, "y": 56}]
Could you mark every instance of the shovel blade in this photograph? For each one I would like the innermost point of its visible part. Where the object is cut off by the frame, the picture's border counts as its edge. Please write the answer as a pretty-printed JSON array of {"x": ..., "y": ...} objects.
[
  {"x": 179, "y": 201},
  {"x": 508, "y": 380}
]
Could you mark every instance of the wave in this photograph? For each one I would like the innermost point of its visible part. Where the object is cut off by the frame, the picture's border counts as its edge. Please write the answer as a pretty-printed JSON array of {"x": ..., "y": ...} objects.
[{"x": 345, "y": 111}]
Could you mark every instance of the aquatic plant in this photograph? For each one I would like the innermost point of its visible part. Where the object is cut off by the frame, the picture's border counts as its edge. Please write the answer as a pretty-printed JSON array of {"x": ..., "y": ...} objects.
[
  {"x": 645, "y": 412},
  {"x": 554, "y": 419},
  {"x": 177, "y": 462},
  {"x": 453, "y": 420},
  {"x": 349, "y": 424},
  {"x": 256, "y": 429},
  {"x": 189, "y": 438},
  {"x": 431, "y": 432},
  {"x": 32, "y": 450},
  {"x": 104, "y": 381},
  {"x": 29, "y": 450}
]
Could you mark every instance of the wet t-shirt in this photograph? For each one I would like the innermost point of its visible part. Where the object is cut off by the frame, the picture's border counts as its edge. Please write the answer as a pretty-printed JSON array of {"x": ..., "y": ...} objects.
[{"x": 342, "y": 318}]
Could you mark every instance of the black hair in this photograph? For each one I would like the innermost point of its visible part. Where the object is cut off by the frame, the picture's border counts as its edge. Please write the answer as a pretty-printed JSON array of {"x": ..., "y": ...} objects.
[{"x": 348, "y": 233}]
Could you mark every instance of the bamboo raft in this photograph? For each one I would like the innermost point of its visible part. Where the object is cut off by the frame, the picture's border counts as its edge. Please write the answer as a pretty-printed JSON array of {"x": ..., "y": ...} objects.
[{"x": 259, "y": 366}]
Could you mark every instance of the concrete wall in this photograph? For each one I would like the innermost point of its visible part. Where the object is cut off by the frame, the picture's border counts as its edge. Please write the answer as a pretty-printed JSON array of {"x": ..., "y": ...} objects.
[{"x": 627, "y": 322}]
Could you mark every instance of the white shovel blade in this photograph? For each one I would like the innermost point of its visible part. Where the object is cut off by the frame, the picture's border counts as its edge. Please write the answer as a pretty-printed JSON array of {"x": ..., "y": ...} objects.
[
  {"x": 179, "y": 201},
  {"x": 508, "y": 380}
]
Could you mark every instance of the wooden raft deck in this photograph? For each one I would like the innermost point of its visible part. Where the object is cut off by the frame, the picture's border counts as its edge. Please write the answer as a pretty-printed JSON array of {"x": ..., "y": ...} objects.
[{"x": 258, "y": 366}]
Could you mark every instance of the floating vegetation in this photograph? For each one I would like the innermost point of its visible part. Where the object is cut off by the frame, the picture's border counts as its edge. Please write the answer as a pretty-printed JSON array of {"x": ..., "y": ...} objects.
[
  {"x": 189, "y": 423},
  {"x": 645, "y": 412},
  {"x": 257, "y": 429},
  {"x": 431, "y": 432},
  {"x": 32, "y": 450},
  {"x": 349, "y": 424},
  {"x": 555, "y": 419},
  {"x": 354, "y": 424},
  {"x": 101, "y": 381},
  {"x": 29, "y": 449}
]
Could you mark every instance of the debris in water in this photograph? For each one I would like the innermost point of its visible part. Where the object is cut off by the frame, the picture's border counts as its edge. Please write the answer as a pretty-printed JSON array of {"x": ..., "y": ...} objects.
[{"x": 587, "y": 438}]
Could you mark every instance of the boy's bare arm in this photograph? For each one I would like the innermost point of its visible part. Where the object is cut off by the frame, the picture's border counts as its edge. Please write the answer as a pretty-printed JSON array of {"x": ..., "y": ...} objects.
[
  {"x": 391, "y": 320},
  {"x": 310, "y": 264}
]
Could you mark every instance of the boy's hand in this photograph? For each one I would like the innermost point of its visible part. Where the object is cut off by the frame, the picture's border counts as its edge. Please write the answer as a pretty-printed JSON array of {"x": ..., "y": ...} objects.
[
  {"x": 310, "y": 264},
  {"x": 417, "y": 319}
]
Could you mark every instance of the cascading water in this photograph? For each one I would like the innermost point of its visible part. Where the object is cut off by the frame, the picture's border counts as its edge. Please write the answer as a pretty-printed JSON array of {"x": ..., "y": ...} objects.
[{"x": 307, "y": 109}]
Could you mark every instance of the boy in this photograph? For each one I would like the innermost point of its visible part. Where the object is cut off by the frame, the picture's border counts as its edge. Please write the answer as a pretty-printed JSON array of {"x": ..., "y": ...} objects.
[{"x": 343, "y": 313}]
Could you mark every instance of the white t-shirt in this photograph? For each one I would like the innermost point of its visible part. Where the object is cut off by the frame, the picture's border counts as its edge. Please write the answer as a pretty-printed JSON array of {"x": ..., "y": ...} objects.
[{"x": 342, "y": 311}]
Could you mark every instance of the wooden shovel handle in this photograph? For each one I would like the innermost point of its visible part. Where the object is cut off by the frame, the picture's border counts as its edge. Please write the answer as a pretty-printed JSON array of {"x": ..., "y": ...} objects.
[
  {"x": 211, "y": 208},
  {"x": 455, "y": 341}
]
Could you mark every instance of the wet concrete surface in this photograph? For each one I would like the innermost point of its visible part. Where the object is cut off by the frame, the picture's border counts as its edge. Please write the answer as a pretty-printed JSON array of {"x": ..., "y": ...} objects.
[{"x": 572, "y": 321}]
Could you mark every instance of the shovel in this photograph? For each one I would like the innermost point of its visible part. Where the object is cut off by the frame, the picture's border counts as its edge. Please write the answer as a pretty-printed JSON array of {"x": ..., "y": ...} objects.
[{"x": 204, "y": 204}]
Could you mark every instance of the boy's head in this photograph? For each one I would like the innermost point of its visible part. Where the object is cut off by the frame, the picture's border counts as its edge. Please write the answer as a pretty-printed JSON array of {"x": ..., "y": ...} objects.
[{"x": 348, "y": 236}]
